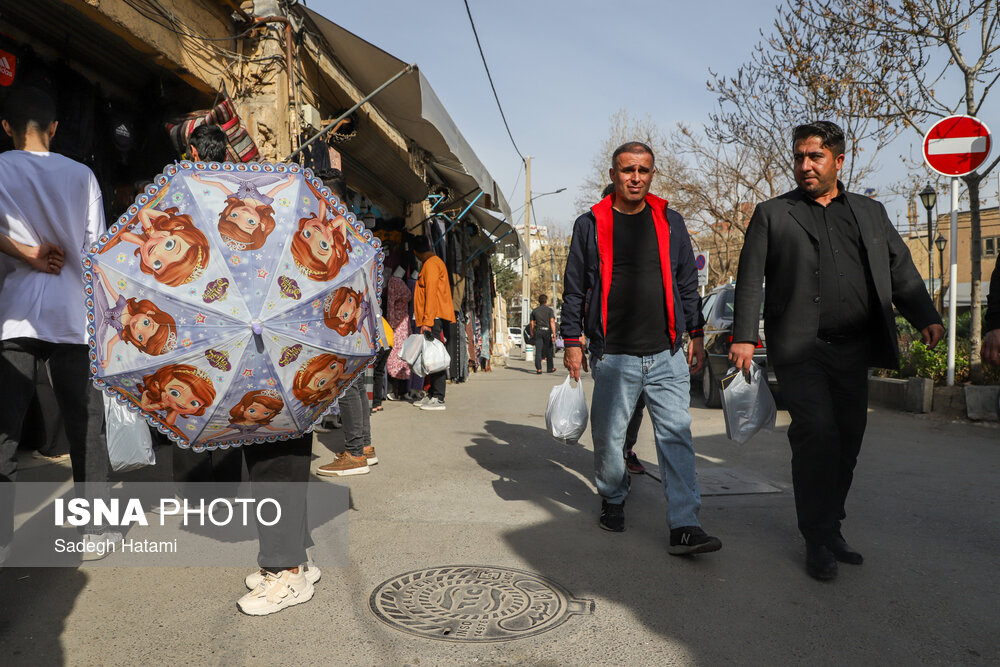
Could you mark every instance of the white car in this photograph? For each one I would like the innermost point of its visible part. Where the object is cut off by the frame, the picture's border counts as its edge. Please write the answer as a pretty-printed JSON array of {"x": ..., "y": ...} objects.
[{"x": 514, "y": 336}]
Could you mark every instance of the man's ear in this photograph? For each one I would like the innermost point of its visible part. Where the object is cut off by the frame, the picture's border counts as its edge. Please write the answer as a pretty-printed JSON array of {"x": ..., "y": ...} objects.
[
  {"x": 8, "y": 129},
  {"x": 51, "y": 131},
  {"x": 194, "y": 154}
]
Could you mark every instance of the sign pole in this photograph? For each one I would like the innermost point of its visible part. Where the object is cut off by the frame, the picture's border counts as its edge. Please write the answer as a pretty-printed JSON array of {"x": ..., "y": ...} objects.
[{"x": 953, "y": 282}]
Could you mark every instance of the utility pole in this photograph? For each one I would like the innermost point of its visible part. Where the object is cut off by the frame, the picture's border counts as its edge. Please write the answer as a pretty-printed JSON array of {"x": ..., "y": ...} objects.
[
  {"x": 552, "y": 259},
  {"x": 525, "y": 270}
]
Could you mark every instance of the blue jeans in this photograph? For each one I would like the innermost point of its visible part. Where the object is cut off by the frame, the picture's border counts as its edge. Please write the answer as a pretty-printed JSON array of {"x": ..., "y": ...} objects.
[{"x": 664, "y": 381}]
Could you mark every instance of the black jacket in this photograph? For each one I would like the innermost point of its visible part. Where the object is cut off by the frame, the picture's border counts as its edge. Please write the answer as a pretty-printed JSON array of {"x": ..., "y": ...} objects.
[
  {"x": 589, "y": 260},
  {"x": 781, "y": 247}
]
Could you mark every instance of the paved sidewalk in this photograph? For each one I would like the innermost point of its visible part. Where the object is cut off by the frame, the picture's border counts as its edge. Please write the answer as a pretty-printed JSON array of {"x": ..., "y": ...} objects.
[{"x": 482, "y": 483}]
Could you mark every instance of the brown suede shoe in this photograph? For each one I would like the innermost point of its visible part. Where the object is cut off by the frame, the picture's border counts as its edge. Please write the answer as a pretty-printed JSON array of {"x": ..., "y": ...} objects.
[{"x": 345, "y": 464}]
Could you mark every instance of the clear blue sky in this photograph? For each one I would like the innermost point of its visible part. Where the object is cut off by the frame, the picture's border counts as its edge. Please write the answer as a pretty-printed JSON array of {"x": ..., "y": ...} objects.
[{"x": 562, "y": 68}]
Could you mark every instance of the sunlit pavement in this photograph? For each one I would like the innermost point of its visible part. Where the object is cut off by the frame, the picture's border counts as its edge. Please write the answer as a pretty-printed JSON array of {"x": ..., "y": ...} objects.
[{"x": 482, "y": 483}]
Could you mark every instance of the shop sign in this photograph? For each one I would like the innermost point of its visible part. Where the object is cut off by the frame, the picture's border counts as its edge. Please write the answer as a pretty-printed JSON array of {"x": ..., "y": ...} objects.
[{"x": 8, "y": 64}]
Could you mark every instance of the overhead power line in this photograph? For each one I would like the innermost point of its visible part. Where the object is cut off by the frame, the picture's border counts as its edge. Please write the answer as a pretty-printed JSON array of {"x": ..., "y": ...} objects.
[{"x": 490, "y": 77}]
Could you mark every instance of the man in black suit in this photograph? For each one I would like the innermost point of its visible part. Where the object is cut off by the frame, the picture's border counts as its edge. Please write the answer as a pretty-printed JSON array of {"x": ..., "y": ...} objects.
[{"x": 834, "y": 267}]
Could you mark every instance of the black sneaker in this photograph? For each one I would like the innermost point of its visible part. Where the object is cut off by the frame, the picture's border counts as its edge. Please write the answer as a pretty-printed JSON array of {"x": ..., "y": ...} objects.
[
  {"x": 632, "y": 463},
  {"x": 613, "y": 516},
  {"x": 692, "y": 540}
]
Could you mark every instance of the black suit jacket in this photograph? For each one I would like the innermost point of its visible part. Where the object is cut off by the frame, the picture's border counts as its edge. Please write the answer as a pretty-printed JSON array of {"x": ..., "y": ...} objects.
[{"x": 781, "y": 248}]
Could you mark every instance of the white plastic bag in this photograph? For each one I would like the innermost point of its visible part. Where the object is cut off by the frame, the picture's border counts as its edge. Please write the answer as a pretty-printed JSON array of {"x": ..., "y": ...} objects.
[
  {"x": 411, "y": 349},
  {"x": 434, "y": 356},
  {"x": 747, "y": 406},
  {"x": 129, "y": 444},
  {"x": 566, "y": 413}
]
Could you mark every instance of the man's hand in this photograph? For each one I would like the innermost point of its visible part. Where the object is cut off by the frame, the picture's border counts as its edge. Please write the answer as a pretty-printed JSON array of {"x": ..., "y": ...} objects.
[
  {"x": 47, "y": 258},
  {"x": 931, "y": 334},
  {"x": 574, "y": 359},
  {"x": 696, "y": 354},
  {"x": 741, "y": 355},
  {"x": 991, "y": 347}
]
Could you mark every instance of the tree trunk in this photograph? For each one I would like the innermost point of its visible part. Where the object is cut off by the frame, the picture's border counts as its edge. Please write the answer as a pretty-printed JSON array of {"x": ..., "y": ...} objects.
[{"x": 975, "y": 249}]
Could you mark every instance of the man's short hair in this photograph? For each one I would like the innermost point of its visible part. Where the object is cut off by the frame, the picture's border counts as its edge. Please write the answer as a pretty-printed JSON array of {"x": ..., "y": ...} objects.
[
  {"x": 631, "y": 147},
  {"x": 26, "y": 106},
  {"x": 334, "y": 179},
  {"x": 421, "y": 244},
  {"x": 829, "y": 134},
  {"x": 543, "y": 299},
  {"x": 210, "y": 141}
]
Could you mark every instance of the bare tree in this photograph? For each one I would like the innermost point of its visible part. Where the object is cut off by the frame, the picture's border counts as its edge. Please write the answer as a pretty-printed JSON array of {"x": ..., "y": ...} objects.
[
  {"x": 624, "y": 128},
  {"x": 929, "y": 59}
]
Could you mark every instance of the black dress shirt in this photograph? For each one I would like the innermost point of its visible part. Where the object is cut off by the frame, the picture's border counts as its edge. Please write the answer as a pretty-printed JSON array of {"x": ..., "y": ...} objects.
[{"x": 845, "y": 281}]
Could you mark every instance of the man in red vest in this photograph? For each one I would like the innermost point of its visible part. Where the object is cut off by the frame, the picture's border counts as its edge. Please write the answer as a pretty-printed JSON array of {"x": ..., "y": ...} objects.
[{"x": 632, "y": 287}]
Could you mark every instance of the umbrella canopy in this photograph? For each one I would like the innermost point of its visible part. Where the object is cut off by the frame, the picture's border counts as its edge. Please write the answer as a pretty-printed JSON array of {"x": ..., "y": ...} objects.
[{"x": 233, "y": 303}]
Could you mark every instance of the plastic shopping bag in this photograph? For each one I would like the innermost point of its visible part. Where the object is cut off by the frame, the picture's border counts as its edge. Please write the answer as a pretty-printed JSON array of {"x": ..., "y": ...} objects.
[
  {"x": 434, "y": 356},
  {"x": 566, "y": 413},
  {"x": 129, "y": 444},
  {"x": 747, "y": 405},
  {"x": 411, "y": 349}
]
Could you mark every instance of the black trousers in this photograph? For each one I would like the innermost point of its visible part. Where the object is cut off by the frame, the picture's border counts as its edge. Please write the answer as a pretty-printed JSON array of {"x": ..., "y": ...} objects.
[
  {"x": 280, "y": 470},
  {"x": 439, "y": 380},
  {"x": 544, "y": 348},
  {"x": 81, "y": 405},
  {"x": 378, "y": 388},
  {"x": 827, "y": 397},
  {"x": 632, "y": 432}
]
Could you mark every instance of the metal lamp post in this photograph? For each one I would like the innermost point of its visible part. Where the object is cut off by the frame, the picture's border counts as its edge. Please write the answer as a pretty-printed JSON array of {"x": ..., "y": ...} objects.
[
  {"x": 941, "y": 242},
  {"x": 526, "y": 260},
  {"x": 928, "y": 197}
]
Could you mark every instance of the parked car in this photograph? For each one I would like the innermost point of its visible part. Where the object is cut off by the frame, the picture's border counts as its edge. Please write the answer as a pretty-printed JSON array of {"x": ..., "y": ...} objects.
[
  {"x": 717, "y": 307},
  {"x": 514, "y": 336}
]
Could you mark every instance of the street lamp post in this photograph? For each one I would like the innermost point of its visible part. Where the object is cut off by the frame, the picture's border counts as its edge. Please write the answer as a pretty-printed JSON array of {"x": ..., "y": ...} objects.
[
  {"x": 941, "y": 242},
  {"x": 928, "y": 197},
  {"x": 526, "y": 258}
]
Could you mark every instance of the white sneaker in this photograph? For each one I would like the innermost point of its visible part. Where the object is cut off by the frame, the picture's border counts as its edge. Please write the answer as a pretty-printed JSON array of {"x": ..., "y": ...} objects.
[
  {"x": 103, "y": 545},
  {"x": 311, "y": 571},
  {"x": 422, "y": 402},
  {"x": 433, "y": 404},
  {"x": 276, "y": 592}
]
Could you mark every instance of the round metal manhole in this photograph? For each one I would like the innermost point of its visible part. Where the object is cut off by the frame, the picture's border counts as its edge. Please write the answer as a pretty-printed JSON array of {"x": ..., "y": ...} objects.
[{"x": 474, "y": 603}]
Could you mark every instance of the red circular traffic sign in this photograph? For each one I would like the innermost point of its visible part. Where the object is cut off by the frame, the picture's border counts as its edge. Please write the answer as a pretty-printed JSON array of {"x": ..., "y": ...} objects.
[{"x": 957, "y": 145}]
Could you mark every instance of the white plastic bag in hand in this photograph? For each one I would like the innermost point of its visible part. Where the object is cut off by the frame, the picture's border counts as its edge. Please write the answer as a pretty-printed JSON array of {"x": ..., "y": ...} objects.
[
  {"x": 411, "y": 349},
  {"x": 435, "y": 356},
  {"x": 747, "y": 405},
  {"x": 129, "y": 444},
  {"x": 566, "y": 413}
]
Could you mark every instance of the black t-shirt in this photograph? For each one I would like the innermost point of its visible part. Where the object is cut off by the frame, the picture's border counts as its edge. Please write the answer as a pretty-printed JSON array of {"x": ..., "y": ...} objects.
[
  {"x": 637, "y": 305},
  {"x": 542, "y": 317}
]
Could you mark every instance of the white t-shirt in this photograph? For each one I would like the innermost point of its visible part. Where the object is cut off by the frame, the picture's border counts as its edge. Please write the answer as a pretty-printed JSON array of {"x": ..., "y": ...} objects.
[{"x": 47, "y": 197}]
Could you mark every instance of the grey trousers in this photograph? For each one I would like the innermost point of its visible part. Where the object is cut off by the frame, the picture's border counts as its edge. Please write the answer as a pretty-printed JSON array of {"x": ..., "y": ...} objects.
[
  {"x": 79, "y": 401},
  {"x": 356, "y": 416}
]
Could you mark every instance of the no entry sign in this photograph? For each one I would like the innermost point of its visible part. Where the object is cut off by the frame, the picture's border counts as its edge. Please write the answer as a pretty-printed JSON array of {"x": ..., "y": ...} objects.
[{"x": 957, "y": 145}]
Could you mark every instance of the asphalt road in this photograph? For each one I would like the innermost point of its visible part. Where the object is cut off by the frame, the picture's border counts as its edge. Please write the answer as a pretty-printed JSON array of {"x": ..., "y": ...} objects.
[{"x": 483, "y": 484}]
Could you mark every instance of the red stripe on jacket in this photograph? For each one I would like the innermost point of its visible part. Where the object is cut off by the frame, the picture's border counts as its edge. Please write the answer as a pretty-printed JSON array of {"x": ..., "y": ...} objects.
[{"x": 604, "y": 216}]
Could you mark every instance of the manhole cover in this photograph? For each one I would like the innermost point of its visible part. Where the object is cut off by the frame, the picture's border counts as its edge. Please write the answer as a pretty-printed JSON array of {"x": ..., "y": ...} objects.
[{"x": 474, "y": 603}]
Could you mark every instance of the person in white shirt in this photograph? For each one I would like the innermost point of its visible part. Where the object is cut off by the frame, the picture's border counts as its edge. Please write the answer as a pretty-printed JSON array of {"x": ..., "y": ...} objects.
[{"x": 50, "y": 212}]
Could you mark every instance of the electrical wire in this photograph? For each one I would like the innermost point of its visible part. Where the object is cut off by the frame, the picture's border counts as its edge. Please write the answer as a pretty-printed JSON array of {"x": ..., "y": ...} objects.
[{"x": 490, "y": 77}]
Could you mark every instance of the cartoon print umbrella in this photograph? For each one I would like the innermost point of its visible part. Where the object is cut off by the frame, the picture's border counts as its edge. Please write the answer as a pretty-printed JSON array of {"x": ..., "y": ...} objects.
[{"x": 233, "y": 303}]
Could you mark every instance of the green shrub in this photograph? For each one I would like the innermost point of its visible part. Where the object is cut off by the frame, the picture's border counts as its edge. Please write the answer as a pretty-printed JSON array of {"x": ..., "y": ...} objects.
[{"x": 933, "y": 364}]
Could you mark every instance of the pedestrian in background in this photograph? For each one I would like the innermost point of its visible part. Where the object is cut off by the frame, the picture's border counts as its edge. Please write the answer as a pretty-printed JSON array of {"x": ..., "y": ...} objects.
[
  {"x": 543, "y": 327},
  {"x": 355, "y": 412},
  {"x": 632, "y": 286},
  {"x": 834, "y": 267},
  {"x": 432, "y": 307},
  {"x": 991, "y": 336}
]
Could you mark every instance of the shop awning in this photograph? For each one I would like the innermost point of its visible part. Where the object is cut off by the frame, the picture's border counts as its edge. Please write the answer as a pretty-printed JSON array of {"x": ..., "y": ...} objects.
[{"x": 411, "y": 105}]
